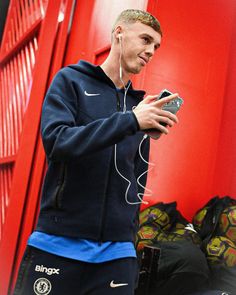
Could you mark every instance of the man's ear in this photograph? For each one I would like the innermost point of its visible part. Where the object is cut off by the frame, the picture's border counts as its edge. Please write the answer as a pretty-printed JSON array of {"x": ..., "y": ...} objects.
[{"x": 118, "y": 33}]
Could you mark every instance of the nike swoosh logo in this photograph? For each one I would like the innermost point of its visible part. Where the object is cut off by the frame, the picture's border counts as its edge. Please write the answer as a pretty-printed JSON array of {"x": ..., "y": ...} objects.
[
  {"x": 113, "y": 285},
  {"x": 91, "y": 94},
  {"x": 190, "y": 228}
]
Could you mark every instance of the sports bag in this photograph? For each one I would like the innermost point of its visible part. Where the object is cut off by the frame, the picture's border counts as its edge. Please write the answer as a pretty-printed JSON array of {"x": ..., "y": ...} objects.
[{"x": 216, "y": 225}]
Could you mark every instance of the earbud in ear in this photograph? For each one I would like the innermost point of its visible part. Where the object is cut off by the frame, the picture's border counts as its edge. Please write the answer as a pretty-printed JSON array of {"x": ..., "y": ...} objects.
[{"x": 119, "y": 36}]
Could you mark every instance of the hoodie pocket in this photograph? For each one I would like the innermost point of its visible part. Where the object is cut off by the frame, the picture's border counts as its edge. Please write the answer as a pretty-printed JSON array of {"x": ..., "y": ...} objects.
[{"x": 57, "y": 198}]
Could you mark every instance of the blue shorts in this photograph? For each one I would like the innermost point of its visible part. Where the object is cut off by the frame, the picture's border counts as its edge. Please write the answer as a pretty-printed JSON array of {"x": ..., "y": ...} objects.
[{"x": 42, "y": 273}]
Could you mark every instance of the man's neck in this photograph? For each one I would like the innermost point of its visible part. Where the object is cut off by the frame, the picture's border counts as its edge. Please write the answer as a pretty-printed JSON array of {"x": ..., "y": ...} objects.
[{"x": 112, "y": 70}]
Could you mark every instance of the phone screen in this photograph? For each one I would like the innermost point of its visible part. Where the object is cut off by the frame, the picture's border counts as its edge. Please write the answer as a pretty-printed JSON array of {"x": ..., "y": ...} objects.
[{"x": 172, "y": 106}]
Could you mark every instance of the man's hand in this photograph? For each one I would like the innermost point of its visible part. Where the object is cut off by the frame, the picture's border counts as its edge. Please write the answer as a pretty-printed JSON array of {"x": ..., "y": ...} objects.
[{"x": 150, "y": 115}]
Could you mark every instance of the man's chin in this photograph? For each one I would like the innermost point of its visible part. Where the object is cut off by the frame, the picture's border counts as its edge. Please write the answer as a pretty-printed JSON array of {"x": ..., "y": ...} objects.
[{"x": 137, "y": 70}]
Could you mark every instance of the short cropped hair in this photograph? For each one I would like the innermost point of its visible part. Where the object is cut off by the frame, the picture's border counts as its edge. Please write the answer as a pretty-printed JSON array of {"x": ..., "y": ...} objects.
[{"x": 135, "y": 15}]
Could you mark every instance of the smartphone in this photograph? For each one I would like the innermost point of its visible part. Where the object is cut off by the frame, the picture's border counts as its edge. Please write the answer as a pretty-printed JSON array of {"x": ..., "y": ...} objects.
[{"x": 172, "y": 106}]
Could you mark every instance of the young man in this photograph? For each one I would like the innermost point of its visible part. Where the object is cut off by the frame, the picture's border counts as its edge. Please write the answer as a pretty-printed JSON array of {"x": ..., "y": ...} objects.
[{"x": 93, "y": 131}]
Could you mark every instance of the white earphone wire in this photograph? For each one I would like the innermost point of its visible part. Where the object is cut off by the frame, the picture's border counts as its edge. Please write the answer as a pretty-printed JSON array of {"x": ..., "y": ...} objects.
[{"x": 149, "y": 192}]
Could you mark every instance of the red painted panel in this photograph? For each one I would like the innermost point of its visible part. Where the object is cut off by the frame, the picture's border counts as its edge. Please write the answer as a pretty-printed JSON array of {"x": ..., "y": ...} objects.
[
  {"x": 26, "y": 154},
  {"x": 225, "y": 172},
  {"x": 197, "y": 58},
  {"x": 91, "y": 28},
  {"x": 193, "y": 60},
  {"x": 39, "y": 166},
  {"x": 195, "y": 36}
]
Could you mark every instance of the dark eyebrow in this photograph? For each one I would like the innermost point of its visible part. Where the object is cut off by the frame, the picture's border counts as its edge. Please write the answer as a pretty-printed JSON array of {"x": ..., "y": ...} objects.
[{"x": 147, "y": 36}]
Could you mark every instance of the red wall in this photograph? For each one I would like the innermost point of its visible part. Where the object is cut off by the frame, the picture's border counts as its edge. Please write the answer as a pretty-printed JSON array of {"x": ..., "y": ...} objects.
[
  {"x": 195, "y": 59},
  {"x": 91, "y": 29},
  {"x": 225, "y": 174}
]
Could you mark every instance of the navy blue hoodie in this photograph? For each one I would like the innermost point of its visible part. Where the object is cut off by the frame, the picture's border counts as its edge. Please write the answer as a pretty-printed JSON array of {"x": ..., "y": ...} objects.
[{"x": 82, "y": 120}]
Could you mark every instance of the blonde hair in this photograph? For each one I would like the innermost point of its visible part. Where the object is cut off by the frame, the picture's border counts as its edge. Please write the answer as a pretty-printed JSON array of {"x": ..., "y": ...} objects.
[{"x": 135, "y": 15}]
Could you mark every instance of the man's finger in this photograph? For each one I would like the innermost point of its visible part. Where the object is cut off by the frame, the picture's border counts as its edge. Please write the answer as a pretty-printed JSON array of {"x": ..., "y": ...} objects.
[
  {"x": 166, "y": 99},
  {"x": 150, "y": 98}
]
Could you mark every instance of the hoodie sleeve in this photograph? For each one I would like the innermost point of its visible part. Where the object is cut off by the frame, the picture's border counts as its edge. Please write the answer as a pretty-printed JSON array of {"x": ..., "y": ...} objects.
[{"x": 63, "y": 139}]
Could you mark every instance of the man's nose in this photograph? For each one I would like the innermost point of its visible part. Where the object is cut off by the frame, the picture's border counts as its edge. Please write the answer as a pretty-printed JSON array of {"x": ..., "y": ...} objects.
[{"x": 150, "y": 50}]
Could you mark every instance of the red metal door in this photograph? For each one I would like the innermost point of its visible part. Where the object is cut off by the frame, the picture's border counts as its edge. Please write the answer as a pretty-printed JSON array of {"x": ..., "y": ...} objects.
[
  {"x": 196, "y": 45},
  {"x": 225, "y": 172},
  {"x": 48, "y": 24},
  {"x": 18, "y": 54},
  {"x": 32, "y": 50},
  {"x": 194, "y": 60},
  {"x": 92, "y": 23}
]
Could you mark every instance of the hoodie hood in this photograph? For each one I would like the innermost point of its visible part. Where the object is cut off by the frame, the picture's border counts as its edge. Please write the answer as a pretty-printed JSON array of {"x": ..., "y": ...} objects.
[{"x": 98, "y": 73}]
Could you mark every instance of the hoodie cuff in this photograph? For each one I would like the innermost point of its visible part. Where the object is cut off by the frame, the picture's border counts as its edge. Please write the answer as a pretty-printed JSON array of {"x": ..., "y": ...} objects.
[{"x": 138, "y": 127}]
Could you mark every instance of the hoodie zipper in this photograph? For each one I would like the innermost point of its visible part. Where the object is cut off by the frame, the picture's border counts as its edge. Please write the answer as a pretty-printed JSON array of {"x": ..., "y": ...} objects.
[
  {"x": 118, "y": 108},
  {"x": 60, "y": 187}
]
